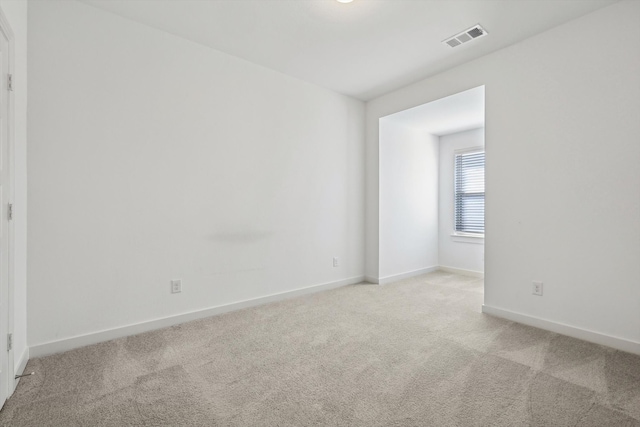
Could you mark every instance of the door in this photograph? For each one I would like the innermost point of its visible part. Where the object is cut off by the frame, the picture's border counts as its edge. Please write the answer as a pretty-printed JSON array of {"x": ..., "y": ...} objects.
[{"x": 6, "y": 353}]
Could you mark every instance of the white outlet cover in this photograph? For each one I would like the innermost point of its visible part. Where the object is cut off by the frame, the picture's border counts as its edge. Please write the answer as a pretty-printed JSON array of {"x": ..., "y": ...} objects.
[
  {"x": 537, "y": 288},
  {"x": 176, "y": 286}
]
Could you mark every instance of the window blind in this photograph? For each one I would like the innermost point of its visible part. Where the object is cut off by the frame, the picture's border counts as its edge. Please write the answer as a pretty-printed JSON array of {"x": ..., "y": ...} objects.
[{"x": 469, "y": 192}]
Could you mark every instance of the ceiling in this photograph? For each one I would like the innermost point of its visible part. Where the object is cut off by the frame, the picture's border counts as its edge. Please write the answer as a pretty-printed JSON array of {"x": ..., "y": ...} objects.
[
  {"x": 362, "y": 49},
  {"x": 455, "y": 113}
]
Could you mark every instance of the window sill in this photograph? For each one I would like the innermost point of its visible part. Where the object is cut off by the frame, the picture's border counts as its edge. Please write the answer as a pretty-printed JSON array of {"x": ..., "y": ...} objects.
[{"x": 477, "y": 239}]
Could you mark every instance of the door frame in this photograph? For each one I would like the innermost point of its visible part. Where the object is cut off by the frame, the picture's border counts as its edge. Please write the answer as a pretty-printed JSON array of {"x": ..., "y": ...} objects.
[{"x": 7, "y": 34}]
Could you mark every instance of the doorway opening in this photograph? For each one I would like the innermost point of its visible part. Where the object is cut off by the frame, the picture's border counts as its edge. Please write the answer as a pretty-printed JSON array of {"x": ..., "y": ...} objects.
[{"x": 432, "y": 188}]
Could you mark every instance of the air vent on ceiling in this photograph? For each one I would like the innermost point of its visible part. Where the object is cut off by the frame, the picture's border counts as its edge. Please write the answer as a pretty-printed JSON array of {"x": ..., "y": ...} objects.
[{"x": 472, "y": 33}]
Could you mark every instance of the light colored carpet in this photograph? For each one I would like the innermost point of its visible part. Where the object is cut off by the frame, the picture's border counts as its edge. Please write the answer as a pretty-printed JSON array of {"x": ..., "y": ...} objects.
[{"x": 412, "y": 353}]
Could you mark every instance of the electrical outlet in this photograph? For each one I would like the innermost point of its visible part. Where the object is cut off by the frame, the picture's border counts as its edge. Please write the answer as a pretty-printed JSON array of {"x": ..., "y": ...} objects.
[
  {"x": 176, "y": 286},
  {"x": 336, "y": 262},
  {"x": 537, "y": 288}
]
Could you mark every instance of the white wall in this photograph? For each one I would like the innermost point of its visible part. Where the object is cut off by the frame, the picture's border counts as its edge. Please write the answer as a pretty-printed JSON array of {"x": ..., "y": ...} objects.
[
  {"x": 408, "y": 200},
  {"x": 16, "y": 14},
  {"x": 153, "y": 158},
  {"x": 562, "y": 176},
  {"x": 460, "y": 253}
]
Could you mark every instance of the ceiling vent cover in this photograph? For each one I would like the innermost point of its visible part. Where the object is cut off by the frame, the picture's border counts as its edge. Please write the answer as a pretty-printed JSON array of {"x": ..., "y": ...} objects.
[{"x": 469, "y": 34}]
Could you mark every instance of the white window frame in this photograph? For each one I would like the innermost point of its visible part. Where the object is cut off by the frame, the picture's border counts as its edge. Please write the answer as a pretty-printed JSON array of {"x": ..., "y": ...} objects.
[{"x": 461, "y": 236}]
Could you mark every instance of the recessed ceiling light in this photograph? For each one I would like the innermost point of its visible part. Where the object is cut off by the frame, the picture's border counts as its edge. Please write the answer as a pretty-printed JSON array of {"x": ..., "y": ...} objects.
[{"x": 344, "y": 1}]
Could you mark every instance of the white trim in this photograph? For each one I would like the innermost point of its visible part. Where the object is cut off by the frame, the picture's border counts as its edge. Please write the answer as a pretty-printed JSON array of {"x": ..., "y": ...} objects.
[
  {"x": 60, "y": 346},
  {"x": 396, "y": 277},
  {"x": 469, "y": 150},
  {"x": 468, "y": 238},
  {"x": 454, "y": 270},
  {"x": 561, "y": 328},
  {"x": 22, "y": 365},
  {"x": 370, "y": 279}
]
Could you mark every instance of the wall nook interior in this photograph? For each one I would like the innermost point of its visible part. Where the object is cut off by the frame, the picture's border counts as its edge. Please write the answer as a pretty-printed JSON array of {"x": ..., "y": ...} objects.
[{"x": 417, "y": 149}]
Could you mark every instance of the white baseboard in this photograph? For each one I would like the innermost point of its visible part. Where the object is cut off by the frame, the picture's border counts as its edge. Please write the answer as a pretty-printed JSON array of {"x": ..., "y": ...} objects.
[
  {"x": 396, "y": 277},
  {"x": 370, "y": 279},
  {"x": 60, "y": 346},
  {"x": 560, "y": 328},
  {"x": 22, "y": 364},
  {"x": 454, "y": 270}
]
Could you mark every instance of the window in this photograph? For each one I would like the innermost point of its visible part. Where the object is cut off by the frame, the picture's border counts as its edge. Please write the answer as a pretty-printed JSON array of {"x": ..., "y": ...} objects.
[{"x": 469, "y": 193}]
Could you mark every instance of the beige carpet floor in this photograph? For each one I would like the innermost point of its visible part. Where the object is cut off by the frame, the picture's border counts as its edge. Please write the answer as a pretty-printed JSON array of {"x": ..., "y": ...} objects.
[{"x": 413, "y": 353}]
